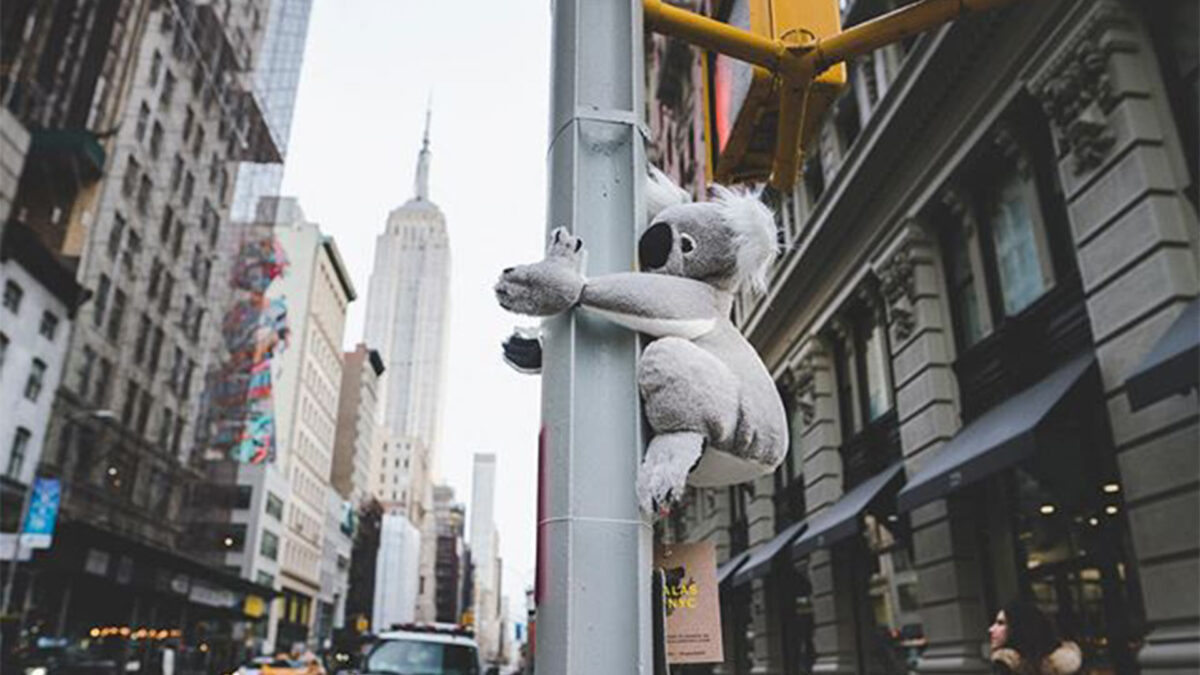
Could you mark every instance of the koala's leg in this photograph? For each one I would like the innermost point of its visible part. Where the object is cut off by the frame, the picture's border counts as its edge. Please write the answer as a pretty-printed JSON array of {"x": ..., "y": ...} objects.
[{"x": 689, "y": 396}]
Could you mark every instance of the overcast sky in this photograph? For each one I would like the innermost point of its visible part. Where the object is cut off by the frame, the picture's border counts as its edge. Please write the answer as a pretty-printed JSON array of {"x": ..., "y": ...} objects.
[{"x": 369, "y": 68}]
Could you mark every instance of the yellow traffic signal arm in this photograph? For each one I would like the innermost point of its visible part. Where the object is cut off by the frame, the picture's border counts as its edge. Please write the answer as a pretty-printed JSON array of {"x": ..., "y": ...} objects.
[{"x": 800, "y": 56}]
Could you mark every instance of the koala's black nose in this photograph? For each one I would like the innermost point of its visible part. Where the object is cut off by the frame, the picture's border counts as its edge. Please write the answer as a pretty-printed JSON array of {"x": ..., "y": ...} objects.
[
  {"x": 655, "y": 246},
  {"x": 507, "y": 270}
]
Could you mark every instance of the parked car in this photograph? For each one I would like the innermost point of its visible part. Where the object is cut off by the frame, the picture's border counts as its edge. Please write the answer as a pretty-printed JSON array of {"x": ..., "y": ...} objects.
[{"x": 424, "y": 649}]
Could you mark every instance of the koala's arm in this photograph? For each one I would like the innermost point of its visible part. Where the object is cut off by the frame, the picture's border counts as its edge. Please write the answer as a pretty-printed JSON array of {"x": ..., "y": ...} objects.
[{"x": 655, "y": 304}]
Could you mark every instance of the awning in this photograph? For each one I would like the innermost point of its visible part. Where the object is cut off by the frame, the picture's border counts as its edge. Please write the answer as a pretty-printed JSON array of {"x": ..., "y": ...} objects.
[
  {"x": 994, "y": 441},
  {"x": 840, "y": 520},
  {"x": 759, "y": 562},
  {"x": 726, "y": 569},
  {"x": 1172, "y": 366}
]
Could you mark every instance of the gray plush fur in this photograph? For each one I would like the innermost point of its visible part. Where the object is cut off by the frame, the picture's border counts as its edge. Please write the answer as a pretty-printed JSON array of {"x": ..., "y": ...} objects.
[{"x": 716, "y": 414}]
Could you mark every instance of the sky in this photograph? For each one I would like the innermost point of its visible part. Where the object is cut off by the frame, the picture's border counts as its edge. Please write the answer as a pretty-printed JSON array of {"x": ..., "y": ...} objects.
[{"x": 370, "y": 67}]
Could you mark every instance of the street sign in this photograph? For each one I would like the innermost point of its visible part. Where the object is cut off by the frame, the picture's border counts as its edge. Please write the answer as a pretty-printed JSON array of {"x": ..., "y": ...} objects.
[
  {"x": 38, "y": 531},
  {"x": 691, "y": 602}
]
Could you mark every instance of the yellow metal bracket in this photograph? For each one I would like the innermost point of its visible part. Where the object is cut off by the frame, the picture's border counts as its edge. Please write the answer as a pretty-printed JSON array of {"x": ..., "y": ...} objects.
[{"x": 799, "y": 56}]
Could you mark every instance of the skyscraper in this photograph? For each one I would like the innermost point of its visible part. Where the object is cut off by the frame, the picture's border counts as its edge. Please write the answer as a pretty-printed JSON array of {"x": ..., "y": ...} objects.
[
  {"x": 407, "y": 313},
  {"x": 485, "y": 554},
  {"x": 276, "y": 80}
]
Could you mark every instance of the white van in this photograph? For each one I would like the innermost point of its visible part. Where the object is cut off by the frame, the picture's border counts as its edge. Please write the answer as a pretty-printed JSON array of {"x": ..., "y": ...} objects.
[{"x": 423, "y": 649}]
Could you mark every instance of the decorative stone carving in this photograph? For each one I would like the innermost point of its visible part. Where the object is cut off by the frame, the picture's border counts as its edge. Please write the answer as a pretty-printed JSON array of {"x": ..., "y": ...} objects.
[
  {"x": 797, "y": 382},
  {"x": 1004, "y": 139},
  {"x": 897, "y": 282},
  {"x": 1077, "y": 94}
]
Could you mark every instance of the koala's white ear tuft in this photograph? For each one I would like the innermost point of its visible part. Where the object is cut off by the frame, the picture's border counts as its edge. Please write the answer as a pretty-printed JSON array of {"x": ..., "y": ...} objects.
[
  {"x": 753, "y": 224},
  {"x": 662, "y": 192}
]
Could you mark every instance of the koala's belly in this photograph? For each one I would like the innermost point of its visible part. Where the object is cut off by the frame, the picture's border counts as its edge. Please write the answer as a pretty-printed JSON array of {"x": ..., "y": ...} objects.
[{"x": 760, "y": 435}]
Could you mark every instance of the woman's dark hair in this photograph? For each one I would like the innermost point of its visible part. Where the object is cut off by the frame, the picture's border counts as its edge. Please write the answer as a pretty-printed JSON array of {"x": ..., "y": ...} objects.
[{"x": 1030, "y": 632}]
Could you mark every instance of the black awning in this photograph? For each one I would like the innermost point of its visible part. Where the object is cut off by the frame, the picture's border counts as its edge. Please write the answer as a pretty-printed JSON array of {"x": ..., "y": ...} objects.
[
  {"x": 1172, "y": 366},
  {"x": 759, "y": 562},
  {"x": 726, "y": 569},
  {"x": 840, "y": 520},
  {"x": 995, "y": 440}
]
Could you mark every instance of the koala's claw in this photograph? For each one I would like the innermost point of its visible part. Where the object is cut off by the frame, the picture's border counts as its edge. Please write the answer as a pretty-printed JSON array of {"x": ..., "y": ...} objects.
[
  {"x": 662, "y": 477},
  {"x": 565, "y": 247}
]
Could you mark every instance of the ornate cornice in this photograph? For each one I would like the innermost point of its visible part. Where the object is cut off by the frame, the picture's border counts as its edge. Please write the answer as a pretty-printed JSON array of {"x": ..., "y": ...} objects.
[{"x": 1076, "y": 92}]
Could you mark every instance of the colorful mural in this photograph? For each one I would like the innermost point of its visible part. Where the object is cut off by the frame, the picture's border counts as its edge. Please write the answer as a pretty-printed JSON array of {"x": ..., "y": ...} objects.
[{"x": 239, "y": 405}]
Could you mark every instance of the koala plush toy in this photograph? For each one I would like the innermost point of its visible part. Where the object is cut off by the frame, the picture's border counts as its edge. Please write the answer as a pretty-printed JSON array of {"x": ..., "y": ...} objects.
[{"x": 714, "y": 409}]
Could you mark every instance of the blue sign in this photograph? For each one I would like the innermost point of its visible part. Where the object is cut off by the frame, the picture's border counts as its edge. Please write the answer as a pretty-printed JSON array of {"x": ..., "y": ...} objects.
[{"x": 43, "y": 512}]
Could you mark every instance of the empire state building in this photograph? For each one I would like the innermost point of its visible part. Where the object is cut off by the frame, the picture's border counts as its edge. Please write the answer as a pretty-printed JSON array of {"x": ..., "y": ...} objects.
[{"x": 407, "y": 315}]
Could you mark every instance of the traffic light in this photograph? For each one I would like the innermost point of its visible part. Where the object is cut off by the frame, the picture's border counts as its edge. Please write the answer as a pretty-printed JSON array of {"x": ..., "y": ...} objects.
[{"x": 743, "y": 111}]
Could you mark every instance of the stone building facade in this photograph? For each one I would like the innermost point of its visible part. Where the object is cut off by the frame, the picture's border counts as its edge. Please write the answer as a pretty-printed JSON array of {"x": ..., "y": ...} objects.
[{"x": 992, "y": 246}]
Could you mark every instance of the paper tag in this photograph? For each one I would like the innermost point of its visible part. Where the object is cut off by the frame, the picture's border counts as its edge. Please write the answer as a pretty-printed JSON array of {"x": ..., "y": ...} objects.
[{"x": 691, "y": 602}]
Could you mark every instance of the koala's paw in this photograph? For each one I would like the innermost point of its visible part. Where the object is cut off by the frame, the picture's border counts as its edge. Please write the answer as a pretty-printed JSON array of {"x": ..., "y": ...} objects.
[
  {"x": 565, "y": 248},
  {"x": 540, "y": 289},
  {"x": 662, "y": 477}
]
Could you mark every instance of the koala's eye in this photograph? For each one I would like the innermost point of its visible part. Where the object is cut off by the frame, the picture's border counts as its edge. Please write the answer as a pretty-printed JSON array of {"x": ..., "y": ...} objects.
[{"x": 686, "y": 243}]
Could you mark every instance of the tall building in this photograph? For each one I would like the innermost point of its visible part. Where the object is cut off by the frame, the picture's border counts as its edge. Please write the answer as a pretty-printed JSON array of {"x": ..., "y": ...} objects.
[
  {"x": 39, "y": 303},
  {"x": 451, "y": 566},
  {"x": 485, "y": 555},
  {"x": 275, "y": 82},
  {"x": 977, "y": 360},
  {"x": 307, "y": 380},
  {"x": 358, "y": 445},
  {"x": 138, "y": 114},
  {"x": 397, "y": 572},
  {"x": 407, "y": 317}
]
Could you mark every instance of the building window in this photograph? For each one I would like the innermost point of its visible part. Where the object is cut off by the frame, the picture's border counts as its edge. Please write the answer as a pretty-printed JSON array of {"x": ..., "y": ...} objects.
[
  {"x": 49, "y": 325},
  {"x": 164, "y": 428},
  {"x": 176, "y": 172},
  {"x": 274, "y": 506},
  {"x": 155, "y": 351},
  {"x": 863, "y": 367},
  {"x": 189, "y": 186},
  {"x": 143, "y": 338},
  {"x": 164, "y": 227},
  {"x": 143, "y": 119},
  {"x": 143, "y": 197},
  {"x": 103, "y": 377},
  {"x": 16, "y": 457},
  {"x": 37, "y": 376},
  {"x": 176, "y": 370},
  {"x": 198, "y": 142},
  {"x": 168, "y": 289},
  {"x": 168, "y": 90},
  {"x": 1023, "y": 263},
  {"x": 177, "y": 437},
  {"x": 129, "y": 180},
  {"x": 143, "y": 417},
  {"x": 186, "y": 386},
  {"x": 189, "y": 118},
  {"x": 88, "y": 360},
  {"x": 270, "y": 545},
  {"x": 12, "y": 296},
  {"x": 100, "y": 304},
  {"x": 156, "y": 138},
  {"x": 155, "y": 68},
  {"x": 3, "y": 350},
  {"x": 264, "y": 578},
  {"x": 115, "y": 234},
  {"x": 116, "y": 316},
  {"x": 127, "y": 408}
]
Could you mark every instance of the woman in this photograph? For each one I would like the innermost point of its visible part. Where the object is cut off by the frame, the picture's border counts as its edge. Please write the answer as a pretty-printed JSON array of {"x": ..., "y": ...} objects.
[{"x": 1024, "y": 642}]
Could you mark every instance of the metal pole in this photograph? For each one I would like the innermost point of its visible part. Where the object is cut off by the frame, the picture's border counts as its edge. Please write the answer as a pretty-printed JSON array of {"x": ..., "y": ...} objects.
[{"x": 594, "y": 604}]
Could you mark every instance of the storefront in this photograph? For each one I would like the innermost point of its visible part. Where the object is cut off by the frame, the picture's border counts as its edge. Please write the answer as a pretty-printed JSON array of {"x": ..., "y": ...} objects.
[{"x": 94, "y": 585}]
